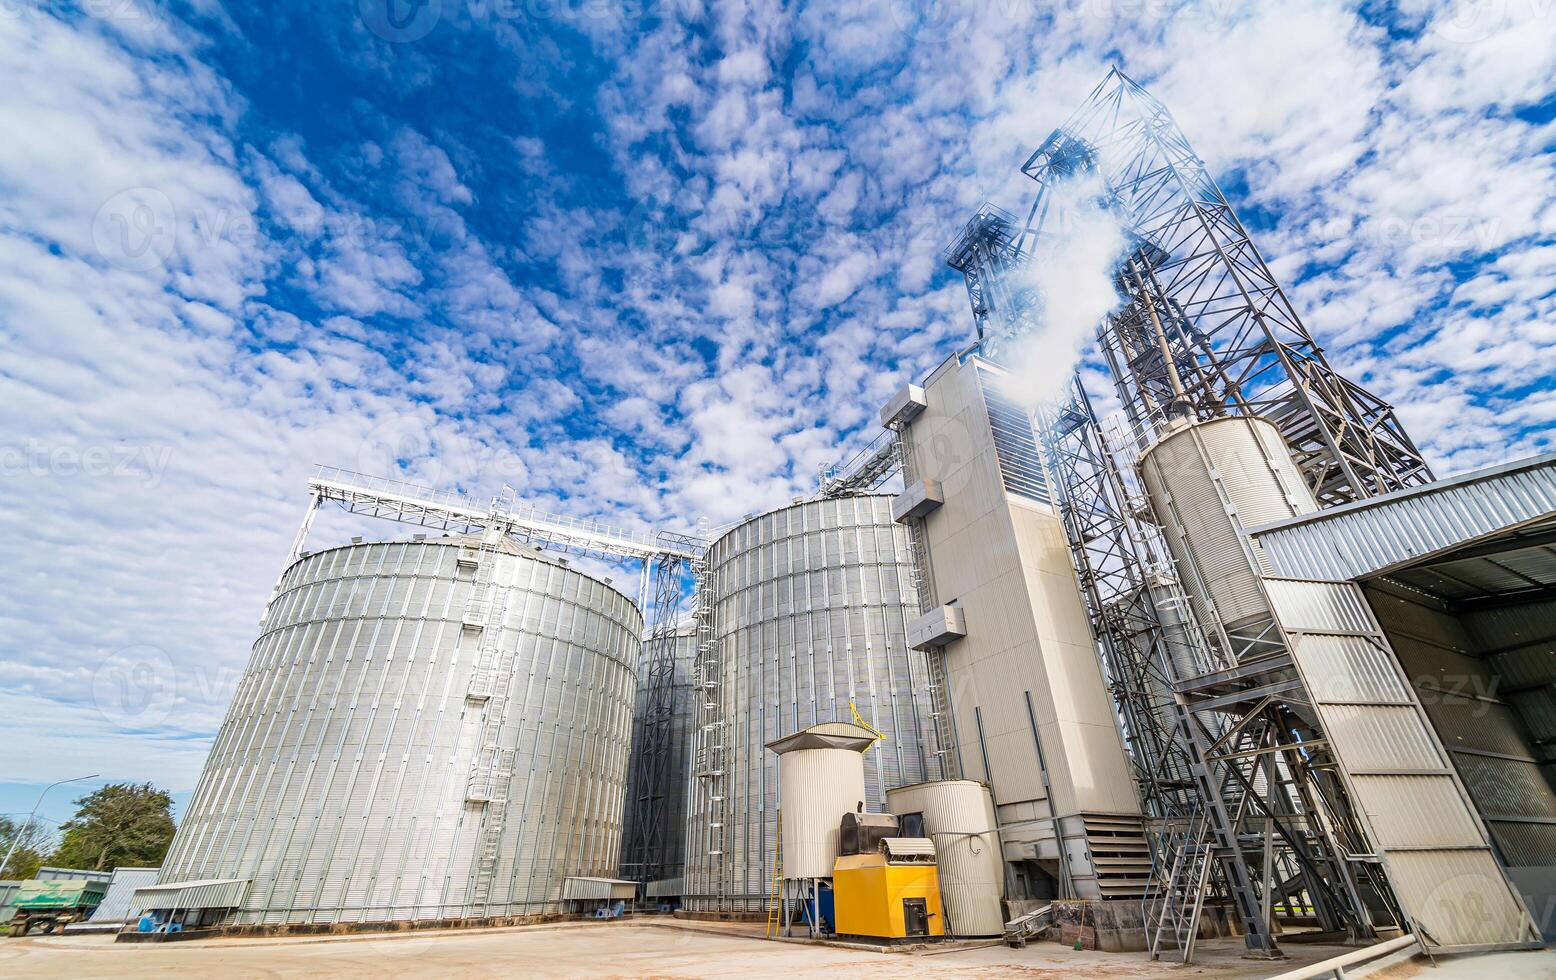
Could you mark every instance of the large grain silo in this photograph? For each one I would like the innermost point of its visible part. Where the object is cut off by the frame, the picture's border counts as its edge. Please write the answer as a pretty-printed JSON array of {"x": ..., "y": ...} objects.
[
  {"x": 807, "y": 613},
  {"x": 426, "y": 729}
]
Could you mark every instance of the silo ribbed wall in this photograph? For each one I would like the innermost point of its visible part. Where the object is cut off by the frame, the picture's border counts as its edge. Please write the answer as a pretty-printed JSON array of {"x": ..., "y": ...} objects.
[
  {"x": 341, "y": 780},
  {"x": 810, "y": 605}
]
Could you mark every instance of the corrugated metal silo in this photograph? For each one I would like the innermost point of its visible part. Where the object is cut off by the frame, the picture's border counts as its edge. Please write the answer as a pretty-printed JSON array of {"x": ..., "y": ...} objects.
[
  {"x": 820, "y": 778},
  {"x": 809, "y": 611},
  {"x": 958, "y": 816},
  {"x": 1202, "y": 478},
  {"x": 425, "y": 729}
]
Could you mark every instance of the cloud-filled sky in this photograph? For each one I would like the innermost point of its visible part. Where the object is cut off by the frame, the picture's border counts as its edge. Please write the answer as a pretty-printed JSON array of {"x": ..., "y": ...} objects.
[{"x": 646, "y": 261}]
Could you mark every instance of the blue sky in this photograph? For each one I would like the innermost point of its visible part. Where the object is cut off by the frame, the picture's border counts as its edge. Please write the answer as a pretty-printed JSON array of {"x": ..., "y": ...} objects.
[{"x": 643, "y": 261}]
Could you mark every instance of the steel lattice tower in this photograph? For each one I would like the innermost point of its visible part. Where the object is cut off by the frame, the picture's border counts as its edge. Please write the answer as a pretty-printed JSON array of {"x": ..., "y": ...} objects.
[
  {"x": 1230, "y": 337},
  {"x": 646, "y": 837},
  {"x": 1203, "y": 331}
]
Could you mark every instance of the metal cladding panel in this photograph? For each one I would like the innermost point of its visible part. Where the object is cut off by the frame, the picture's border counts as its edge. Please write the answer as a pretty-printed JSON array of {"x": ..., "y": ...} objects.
[
  {"x": 1436, "y": 853},
  {"x": 1472, "y": 723},
  {"x": 1417, "y": 811},
  {"x": 1357, "y": 540},
  {"x": 817, "y": 786},
  {"x": 596, "y": 889},
  {"x": 1348, "y": 669},
  {"x": 959, "y": 818},
  {"x": 1526, "y": 845},
  {"x": 1507, "y": 787},
  {"x": 338, "y": 781},
  {"x": 810, "y": 611},
  {"x": 215, "y": 894},
  {"x": 1461, "y": 897},
  {"x": 1380, "y": 736},
  {"x": 118, "y": 904},
  {"x": 1206, "y": 482},
  {"x": 1319, "y": 606}
]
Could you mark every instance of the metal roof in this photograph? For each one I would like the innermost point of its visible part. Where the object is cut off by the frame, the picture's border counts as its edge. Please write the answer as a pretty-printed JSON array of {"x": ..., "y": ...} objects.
[
  {"x": 1486, "y": 532},
  {"x": 827, "y": 735},
  {"x": 596, "y": 889},
  {"x": 118, "y": 903},
  {"x": 208, "y": 893}
]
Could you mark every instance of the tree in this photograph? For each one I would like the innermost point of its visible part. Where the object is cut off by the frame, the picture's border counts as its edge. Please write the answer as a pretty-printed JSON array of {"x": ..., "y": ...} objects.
[
  {"x": 120, "y": 825},
  {"x": 29, "y": 852}
]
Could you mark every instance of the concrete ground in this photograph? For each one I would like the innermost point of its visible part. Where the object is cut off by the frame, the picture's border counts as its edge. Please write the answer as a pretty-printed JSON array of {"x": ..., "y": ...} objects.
[{"x": 646, "y": 949}]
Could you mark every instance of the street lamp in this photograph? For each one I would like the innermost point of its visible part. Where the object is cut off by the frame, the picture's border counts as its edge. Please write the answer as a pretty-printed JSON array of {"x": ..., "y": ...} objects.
[{"x": 28, "y": 822}]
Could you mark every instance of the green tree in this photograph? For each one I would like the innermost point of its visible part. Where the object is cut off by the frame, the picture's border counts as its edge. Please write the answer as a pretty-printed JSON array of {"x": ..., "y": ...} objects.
[
  {"x": 29, "y": 853},
  {"x": 120, "y": 825}
]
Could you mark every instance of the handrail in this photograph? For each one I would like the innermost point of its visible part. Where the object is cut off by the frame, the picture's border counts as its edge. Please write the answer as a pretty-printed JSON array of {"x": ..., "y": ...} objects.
[
  {"x": 346, "y": 486},
  {"x": 1336, "y": 966}
]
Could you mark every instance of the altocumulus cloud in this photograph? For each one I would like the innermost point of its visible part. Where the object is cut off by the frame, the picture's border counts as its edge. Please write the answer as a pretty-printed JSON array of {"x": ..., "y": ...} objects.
[{"x": 642, "y": 262}]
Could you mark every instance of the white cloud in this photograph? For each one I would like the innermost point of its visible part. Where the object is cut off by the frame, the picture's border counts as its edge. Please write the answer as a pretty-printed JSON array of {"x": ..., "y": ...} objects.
[{"x": 798, "y": 174}]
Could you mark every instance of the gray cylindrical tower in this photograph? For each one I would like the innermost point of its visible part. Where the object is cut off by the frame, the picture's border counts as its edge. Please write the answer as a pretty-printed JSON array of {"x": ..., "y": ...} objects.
[
  {"x": 425, "y": 729},
  {"x": 1208, "y": 482},
  {"x": 809, "y": 611}
]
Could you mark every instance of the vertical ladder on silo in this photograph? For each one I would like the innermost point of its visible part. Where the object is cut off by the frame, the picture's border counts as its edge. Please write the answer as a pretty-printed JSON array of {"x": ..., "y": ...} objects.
[
  {"x": 712, "y": 729},
  {"x": 491, "y": 676},
  {"x": 775, "y": 899}
]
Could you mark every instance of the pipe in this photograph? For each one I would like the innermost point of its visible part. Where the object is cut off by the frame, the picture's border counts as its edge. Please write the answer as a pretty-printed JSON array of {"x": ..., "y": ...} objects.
[
  {"x": 1336, "y": 965},
  {"x": 1180, "y": 401}
]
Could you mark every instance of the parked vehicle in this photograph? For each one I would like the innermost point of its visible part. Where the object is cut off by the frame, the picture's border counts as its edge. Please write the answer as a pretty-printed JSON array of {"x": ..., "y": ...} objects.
[{"x": 49, "y": 906}]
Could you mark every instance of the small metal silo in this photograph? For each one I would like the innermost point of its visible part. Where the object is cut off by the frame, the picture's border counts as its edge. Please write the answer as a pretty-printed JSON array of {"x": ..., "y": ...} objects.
[
  {"x": 1208, "y": 482},
  {"x": 820, "y": 778}
]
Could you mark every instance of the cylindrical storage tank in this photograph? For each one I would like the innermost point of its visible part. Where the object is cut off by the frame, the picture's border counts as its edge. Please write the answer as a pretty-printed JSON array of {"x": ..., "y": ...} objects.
[
  {"x": 809, "y": 610},
  {"x": 1207, "y": 481},
  {"x": 425, "y": 729},
  {"x": 820, "y": 778},
  {"x": 958, "y": 815}
]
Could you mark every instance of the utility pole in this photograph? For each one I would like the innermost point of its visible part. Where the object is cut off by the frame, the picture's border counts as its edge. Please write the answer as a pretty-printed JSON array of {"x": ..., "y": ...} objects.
[{"x": 22, "y": 831}]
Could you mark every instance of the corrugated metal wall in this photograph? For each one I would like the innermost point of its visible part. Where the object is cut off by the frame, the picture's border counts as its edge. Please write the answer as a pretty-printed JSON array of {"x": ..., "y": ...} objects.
[
  {"x": 338, "y": 780},
  {"x": 1357, "y": 540},
  {"x": 811, "y": 606},
  {"x": 1438, "y": 859}
]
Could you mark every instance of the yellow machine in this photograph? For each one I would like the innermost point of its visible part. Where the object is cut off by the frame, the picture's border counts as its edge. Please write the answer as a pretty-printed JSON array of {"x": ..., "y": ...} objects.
[{"x": 884, "y": 886}]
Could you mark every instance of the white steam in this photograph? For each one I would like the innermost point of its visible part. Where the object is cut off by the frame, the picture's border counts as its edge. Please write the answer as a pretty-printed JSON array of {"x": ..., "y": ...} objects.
[{"x": 1072, "y": 273}]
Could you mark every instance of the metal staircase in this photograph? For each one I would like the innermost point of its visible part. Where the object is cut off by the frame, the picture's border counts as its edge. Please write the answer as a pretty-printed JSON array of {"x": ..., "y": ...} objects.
[
  {"x": 1177, "y": 895},
  {"x": 922, "y": 588},
  {"x": 491, "y": 768}
]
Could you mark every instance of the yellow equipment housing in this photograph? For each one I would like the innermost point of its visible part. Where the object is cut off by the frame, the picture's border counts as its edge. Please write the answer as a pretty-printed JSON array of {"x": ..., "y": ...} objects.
[{"x": 889, "y": 895}]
